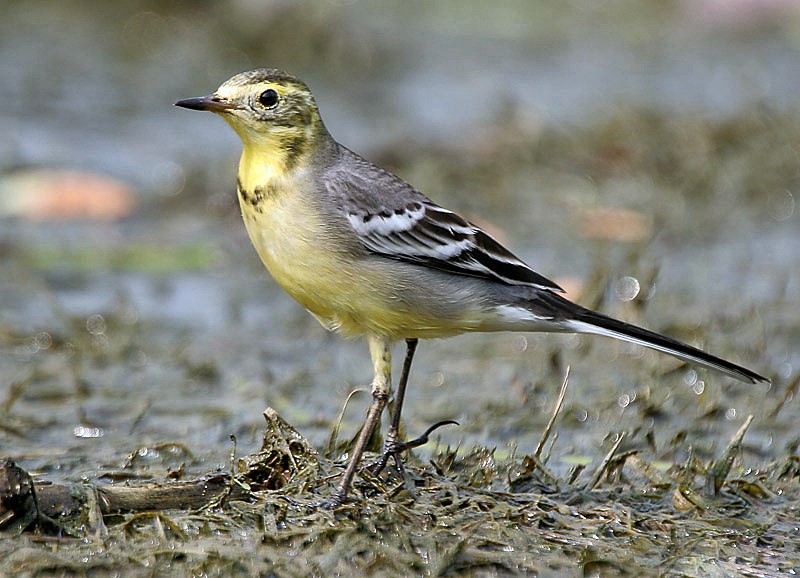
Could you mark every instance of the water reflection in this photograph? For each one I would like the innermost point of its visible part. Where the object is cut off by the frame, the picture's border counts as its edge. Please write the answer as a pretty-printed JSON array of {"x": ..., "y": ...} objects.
[{"x": 627, "y": 288}]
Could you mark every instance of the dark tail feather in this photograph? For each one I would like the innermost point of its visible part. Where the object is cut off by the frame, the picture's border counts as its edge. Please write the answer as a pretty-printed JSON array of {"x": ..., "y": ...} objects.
[{"x": 583, "y": 320}]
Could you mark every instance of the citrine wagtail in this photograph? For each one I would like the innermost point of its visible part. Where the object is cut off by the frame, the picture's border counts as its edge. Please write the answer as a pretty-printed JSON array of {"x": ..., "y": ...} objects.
[{"x": 368, "y": 254}]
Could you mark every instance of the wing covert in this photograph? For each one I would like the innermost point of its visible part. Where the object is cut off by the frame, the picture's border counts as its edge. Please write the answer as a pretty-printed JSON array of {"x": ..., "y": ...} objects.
[{"x": 393, "y": 219}]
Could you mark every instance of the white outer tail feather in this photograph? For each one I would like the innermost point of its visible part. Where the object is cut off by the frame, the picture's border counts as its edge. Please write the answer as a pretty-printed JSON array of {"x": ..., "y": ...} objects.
[{"x": 585, "y": 327}]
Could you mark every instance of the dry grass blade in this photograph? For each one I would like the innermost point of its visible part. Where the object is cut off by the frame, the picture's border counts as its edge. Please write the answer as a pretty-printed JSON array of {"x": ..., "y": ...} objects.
[
  {"x": 720, "y": 469},
  {"x": 333, "y": 440},
  {"x": 789, "y": 394},
  {"x": 654, "y": 476},
  {"x": 556, "y": 410},
  {"x": 604, "y": 464},
  {"x": 14, "y": 390}
]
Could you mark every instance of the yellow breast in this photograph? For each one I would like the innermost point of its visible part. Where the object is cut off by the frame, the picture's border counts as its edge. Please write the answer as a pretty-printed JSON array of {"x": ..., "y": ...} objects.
[
  {"x": 297, "y": 248},
  {"x": 318, "y": 261}
]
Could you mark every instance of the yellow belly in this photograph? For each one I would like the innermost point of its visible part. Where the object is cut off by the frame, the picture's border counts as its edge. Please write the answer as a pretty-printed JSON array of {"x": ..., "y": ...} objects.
[
  {"x": 325, "y": 270},
  {"x": 291, "y": 242}
]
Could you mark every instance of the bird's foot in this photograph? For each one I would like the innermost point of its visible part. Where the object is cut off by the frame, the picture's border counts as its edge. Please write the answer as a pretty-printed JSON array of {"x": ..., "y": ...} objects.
[{"x": 394, "y": 447}]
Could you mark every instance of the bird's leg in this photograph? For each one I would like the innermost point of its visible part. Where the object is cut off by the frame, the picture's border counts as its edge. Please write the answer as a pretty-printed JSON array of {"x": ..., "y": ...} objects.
[
  {"x": 379, "y": 348},
  {"x": 393, "y": 446}
]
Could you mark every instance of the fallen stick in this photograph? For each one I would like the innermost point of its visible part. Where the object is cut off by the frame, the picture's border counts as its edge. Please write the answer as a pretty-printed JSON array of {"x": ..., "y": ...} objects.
[{"x": 284, "y": 454}]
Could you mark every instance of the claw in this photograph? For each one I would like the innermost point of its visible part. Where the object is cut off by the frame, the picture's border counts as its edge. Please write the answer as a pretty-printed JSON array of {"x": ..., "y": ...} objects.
[
  {"x": 424, "y": 438},
  {"x": 394, "y": 448}
]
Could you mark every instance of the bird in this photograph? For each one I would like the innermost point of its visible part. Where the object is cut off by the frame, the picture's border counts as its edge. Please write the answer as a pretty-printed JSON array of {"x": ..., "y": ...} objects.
[{"x": 368, "y": 254}]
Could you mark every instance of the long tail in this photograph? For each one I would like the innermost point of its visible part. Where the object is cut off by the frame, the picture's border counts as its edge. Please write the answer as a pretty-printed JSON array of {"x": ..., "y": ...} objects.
[{"x": 582, "y": 320}]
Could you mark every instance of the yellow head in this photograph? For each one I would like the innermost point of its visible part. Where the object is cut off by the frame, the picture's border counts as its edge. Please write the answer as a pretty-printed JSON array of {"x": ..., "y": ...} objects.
[{"x": 273, "y": 112}]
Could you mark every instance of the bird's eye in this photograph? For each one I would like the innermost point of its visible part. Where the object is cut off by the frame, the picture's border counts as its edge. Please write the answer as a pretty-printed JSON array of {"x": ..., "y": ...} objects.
[{"x": 268, "y": 98}]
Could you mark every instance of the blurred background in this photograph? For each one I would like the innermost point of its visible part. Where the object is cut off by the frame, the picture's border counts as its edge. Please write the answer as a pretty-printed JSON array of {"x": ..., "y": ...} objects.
[{"x": 642, "y": 154}]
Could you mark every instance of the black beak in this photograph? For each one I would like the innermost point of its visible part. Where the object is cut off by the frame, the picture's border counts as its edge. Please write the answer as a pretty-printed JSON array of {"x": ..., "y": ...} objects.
[{"x": 211, "y": 103}]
